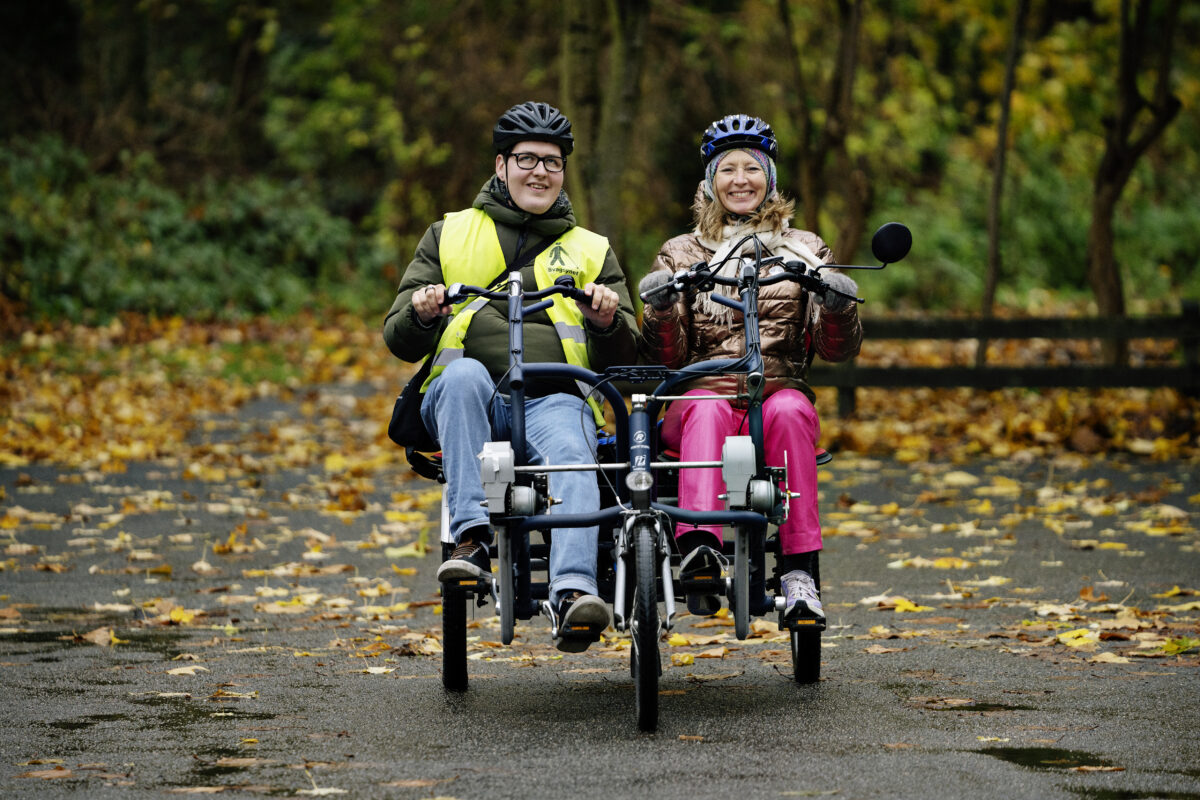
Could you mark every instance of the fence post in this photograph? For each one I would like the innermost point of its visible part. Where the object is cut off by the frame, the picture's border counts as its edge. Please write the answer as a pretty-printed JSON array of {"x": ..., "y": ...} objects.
[
  {"x": 1190, "y": 340},
  {"x": 847, "y": 393}
]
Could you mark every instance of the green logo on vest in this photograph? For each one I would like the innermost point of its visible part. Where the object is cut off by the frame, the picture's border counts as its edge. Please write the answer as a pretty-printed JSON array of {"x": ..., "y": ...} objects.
[{"x": 561, "y": 261}]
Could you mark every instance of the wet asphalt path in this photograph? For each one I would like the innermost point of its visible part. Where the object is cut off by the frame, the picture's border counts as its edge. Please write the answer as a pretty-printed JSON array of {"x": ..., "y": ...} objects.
[{"x": 310, "y": 684}]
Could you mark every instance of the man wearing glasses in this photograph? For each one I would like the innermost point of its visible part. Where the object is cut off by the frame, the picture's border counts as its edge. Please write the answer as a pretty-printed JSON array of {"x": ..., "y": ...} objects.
[{"x": 520, "y": 220}]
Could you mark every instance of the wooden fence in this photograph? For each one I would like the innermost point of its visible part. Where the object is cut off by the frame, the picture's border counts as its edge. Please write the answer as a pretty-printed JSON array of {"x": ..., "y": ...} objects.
[{"x": 1184, "y": 328}]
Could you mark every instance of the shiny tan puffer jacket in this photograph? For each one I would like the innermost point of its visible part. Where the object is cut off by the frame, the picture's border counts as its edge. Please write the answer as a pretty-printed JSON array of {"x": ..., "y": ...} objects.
[{"x": 790, "y": 335}]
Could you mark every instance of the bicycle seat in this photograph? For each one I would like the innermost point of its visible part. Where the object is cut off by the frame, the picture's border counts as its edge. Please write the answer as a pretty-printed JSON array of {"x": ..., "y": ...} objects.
[{"x": 427, "y": 465}]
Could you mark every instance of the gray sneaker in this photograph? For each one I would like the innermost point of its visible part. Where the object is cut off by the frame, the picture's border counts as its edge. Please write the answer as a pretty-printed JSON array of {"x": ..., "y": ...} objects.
[{"x": 802, "y": 599}]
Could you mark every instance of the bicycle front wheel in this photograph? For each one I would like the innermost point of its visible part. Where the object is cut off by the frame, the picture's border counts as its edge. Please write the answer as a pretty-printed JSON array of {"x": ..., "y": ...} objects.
[{"x": 646, "y": 665}]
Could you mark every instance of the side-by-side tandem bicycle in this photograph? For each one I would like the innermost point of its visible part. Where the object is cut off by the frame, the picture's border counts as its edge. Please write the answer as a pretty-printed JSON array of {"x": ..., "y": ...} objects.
[{"x": 639, "y": 508}]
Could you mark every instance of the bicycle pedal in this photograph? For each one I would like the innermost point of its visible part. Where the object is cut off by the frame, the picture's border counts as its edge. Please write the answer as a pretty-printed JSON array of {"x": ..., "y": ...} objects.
[
  {"x": 577, "y": 638},
  {"x": 704, "y": 584},
  {"x": 808, "y": 624}
]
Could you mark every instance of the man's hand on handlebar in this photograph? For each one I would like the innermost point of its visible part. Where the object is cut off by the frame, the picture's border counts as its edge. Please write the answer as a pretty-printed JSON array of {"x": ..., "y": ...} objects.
[
  {"x": 429, "y": 303},
  {"x": 603, "y": 306}
]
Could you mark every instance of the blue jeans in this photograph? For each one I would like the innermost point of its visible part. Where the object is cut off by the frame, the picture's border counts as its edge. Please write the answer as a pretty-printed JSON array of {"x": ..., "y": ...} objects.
[{"x": 463, "y": 410}]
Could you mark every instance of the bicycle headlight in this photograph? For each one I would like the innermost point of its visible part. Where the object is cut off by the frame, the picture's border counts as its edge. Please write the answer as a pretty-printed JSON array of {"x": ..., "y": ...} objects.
[{"x": 639, "y": 481}]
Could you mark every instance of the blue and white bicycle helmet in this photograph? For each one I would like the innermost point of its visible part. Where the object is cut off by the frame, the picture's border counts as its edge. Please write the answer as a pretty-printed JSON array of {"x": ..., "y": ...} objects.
[
  {"x": 530, "y": 121},
  {"x": 735, "y": 131}
]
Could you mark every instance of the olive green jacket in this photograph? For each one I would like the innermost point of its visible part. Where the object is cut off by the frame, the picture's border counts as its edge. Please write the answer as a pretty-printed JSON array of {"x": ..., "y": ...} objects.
[{"x": 487, "y": 338}]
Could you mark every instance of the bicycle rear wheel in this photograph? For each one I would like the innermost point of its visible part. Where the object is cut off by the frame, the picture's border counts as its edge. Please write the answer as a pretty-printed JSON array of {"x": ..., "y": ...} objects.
[
  {"x": 806, "y": 656},
  {"x": 454, "y": 638},
  {"x": 506, "y": 599},
  {"x": 644, "y": 655},
  {"x": 739, "y": 600}
]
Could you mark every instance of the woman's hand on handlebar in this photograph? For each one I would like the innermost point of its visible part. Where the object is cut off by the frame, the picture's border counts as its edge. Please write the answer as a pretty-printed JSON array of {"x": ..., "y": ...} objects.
[
  {"x": 603, "y": 306},
  {"x": 429, "y": 302},
  {"x": 840, "y": 291}
]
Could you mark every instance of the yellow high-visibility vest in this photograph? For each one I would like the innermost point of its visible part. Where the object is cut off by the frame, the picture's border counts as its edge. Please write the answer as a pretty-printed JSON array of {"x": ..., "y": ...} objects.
[{"x": 470, "y": 253}]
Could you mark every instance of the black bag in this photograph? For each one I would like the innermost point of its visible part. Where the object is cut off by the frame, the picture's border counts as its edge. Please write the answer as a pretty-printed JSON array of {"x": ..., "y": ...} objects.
[{"x": 406, "y": 428}]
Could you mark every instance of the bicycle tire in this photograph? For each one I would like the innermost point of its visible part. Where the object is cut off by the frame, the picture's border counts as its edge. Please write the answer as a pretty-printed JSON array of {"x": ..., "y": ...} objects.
[
  {"x": 506, "y": 599},
  {"x": 740, "y": 597},
  {"x": 454, "y": 638},
  {"x": 806, "y": 656},
  {"x": 645, "y": 662}
]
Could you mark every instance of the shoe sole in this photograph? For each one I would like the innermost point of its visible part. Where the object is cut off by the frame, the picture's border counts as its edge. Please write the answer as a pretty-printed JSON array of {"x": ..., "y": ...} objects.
[
  {"x": 703, "y": 605},
  {"x": 572, "y": 645},
  {"x": 593, "y": 615},
  {"x": 586, "y": 622},
  {"x": 458, "y": 571},
  {"x": 801, "y": 613}
]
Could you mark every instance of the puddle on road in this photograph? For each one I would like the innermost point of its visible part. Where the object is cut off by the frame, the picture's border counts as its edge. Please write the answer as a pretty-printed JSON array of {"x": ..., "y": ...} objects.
[
  {"x": 86, "y": 722},
  {"x": 963, "y": 705},
  {"x": 182, "y": 714},
  {"x": 1132, "y": 794},
  {"x": 146, "y": 641},
  {"x": 1047, "y": 758},
  {"x": 209, "y": 763}
]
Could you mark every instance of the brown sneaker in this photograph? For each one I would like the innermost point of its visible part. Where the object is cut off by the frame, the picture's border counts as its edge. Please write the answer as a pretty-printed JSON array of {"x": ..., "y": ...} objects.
[{"x": 469, "y": 560}]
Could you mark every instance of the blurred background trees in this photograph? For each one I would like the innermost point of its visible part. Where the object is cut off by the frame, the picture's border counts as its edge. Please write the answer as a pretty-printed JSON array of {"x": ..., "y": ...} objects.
[{"x": 241, "y": 156}]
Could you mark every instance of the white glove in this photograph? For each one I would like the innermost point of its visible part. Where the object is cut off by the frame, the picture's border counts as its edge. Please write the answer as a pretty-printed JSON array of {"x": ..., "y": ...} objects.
[{"x": 839, "y": 283}]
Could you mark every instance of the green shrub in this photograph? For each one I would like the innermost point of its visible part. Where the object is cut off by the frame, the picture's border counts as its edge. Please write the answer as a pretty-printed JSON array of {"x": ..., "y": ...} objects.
[{"x": 86, "y": 246}]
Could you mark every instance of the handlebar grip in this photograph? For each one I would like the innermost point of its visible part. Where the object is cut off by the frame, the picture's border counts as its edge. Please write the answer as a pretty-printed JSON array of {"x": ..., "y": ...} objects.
[
  {"x": 569, "y": 289},
  {"x": 453, "y": 292},
  {"x": 567, "y": 283}
]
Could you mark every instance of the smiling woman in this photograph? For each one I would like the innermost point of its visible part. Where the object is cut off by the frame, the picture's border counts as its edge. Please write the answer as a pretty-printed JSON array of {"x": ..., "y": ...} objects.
[
  {"x": 738, "y": 211},
  {"x": 740, "y": 184}
]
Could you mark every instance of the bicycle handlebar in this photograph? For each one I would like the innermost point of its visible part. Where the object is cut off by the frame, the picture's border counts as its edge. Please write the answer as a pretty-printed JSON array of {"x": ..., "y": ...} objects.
[
  {"x": 564, "y": 285},
  {"x": 702, "y": 276}
]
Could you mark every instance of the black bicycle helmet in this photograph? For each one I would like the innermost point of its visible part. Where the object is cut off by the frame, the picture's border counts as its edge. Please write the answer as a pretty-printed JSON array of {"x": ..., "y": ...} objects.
[
  {"x": 539, "y": 122},
  {"x": 737, "y": 130}
]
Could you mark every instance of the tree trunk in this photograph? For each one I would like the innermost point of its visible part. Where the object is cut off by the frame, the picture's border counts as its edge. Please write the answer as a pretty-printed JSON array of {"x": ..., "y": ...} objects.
[
  {"x": 1126, "y": 140},
  {"x": 602, "y": 106},
  {"x": 581, "y": 99},
  {"x": 618, "y": 111},
  {"x": 817, "y": 148},
  {"x": 808, "y": 172},
  {"x": 994, "y": 266},
  {"x": 859, "y": 197}
]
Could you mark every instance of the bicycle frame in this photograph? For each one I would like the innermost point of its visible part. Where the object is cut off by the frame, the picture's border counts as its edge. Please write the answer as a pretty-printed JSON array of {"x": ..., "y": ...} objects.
[{"x": 518, "y": 502}]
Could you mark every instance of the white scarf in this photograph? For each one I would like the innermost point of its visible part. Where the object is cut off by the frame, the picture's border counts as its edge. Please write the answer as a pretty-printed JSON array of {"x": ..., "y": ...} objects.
[{"x": 774, "y": 242}]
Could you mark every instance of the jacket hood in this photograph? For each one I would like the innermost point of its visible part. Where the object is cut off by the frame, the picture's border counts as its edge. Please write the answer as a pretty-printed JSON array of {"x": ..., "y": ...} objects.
[{"x": 494, "y": 200}]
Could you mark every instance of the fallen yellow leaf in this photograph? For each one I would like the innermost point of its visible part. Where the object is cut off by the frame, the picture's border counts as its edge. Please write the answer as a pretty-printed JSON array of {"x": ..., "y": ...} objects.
[{"x": 1080, "y": 637}]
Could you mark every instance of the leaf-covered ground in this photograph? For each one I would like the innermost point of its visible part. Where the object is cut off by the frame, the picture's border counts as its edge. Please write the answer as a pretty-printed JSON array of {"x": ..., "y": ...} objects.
[
  {"x": 232, "y": 490},
  {"x": 141, "y": 389}
]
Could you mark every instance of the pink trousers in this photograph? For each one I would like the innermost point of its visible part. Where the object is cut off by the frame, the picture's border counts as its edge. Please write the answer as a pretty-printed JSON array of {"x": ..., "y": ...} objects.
[{"x": 697, "y": 430}]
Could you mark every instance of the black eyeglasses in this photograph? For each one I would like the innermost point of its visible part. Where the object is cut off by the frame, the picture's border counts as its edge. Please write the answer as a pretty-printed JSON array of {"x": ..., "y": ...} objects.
[{"x": 530, "y": 160}]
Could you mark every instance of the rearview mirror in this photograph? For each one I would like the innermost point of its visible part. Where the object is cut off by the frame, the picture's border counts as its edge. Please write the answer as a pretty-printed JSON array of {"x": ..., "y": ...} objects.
[{"x": 891, "y": 242}]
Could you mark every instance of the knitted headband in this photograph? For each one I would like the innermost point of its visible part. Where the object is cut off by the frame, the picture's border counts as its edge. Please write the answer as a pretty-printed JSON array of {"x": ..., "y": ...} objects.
[{"x": 764, "y": 161}]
